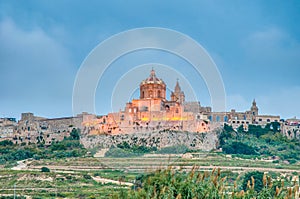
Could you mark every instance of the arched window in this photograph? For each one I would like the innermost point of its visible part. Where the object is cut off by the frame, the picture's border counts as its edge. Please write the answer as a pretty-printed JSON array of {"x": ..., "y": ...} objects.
[
  {"x": 210, "y": 118},
  {"x": 150, "y": 93},
  {"x": 218, "y": 118},
  {"x": 225, "y": 118},
  {"x": 158, "y": 94},
  {"x": 143, "y": 94}
]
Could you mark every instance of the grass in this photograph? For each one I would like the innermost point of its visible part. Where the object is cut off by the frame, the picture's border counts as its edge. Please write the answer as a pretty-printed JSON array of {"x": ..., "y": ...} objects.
[{"x": 73, "y": 184}]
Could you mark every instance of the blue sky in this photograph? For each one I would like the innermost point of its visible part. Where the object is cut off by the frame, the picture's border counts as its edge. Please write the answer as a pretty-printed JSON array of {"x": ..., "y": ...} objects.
[{"x": 255, "y": 44}]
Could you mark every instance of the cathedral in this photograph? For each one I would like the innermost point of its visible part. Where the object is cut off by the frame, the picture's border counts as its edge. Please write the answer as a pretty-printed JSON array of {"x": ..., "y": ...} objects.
[
  {"x": 151, "y": 112},
  {"x": 154, "y": 112}
]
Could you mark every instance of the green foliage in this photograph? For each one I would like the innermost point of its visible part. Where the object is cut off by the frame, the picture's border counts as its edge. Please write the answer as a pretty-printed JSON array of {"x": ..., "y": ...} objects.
[
  {"x": 178, "y": 149},
  {"x": 6, "y": 143},
  {"x": 75, "y": 134},
  {"x": 87, "y": 177},
  {"x": 69, "y": 147},
  {"x": 12, "y": 197},
  {"x": 259, "y": 141},
  {"x": 121, "y": 153},
  {"x": 45, "y": 169},
  {"x": 177, "y": 184},
  {"x": 257, "y": 176},
  {"x": 126, "y": 150},
  {"x": 239, "y": 148}
]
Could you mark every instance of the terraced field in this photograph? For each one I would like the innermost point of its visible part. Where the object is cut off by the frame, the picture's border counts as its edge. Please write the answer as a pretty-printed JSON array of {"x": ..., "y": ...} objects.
[{"x": 99, "y": 177}]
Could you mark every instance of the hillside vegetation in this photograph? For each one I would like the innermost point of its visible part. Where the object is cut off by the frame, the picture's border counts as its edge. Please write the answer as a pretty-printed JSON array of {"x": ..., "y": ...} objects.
[
  {"x": 259, "y": 142},
  {"x": 177, "y": 184},
  {"x": 68, "y": 147}
]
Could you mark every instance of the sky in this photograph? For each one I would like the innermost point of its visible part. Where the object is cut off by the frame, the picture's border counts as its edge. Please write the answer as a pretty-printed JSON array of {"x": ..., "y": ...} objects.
[{"x": 255, "y": 45}]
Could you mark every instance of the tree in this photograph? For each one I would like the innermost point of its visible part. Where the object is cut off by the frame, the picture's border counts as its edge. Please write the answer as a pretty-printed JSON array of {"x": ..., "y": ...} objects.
[
  {"x": 75, "y": 134},
  {"x": 239, "y": 148}
]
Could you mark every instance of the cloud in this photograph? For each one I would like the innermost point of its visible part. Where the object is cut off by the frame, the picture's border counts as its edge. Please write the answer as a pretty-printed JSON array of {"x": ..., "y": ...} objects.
[
  {"x": 272, "y": 47},
  {"x": 35, "y": 70}
]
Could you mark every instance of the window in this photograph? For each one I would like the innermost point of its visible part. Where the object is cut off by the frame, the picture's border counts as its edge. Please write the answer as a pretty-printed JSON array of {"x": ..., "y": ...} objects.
[
  {"x": 218, "y": 118},
  {"x": 158, "y": 94},
  {"x": 225, "y": 118},
  {"x": 150, "y": 93}
]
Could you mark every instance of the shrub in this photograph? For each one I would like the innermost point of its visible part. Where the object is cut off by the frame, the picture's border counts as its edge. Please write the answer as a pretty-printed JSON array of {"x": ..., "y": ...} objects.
[
  {"x": 239, "y": 148},
  {"x": 87, "y": 177},
  {"x": 6, "y": 143},
  {"x": 45, "y": 169}
]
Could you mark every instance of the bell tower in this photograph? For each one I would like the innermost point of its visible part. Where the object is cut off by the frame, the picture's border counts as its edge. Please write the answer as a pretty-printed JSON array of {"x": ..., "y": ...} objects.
[
  {"x": 254, "y": 108},
  {"x": 178, "y": 94}
]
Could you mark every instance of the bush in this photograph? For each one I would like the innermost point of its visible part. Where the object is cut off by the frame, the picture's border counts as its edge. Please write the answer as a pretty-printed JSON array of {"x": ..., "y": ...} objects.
[
  {"x": 87, "y": 177},
  {"x": 292, "y": 161},
  {"x": 75, "y": 134},
  {"x": 6, "y": 143},
  {"x": 239, "y": 148},
  {"x": 45, "y": 169}
]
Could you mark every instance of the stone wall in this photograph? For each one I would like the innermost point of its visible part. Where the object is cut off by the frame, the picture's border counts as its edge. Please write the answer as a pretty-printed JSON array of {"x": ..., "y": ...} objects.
[{"x": 161, "y": 139}]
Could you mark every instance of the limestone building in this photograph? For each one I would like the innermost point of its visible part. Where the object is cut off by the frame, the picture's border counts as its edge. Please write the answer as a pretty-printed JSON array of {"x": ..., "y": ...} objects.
[{"x": 151, "y": 112}]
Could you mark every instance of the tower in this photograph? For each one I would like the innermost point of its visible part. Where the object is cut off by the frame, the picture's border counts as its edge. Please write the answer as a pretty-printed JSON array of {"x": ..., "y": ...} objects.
[
  {"x": 152, "y": 87},
  {"x": 178, "y": 95},
  {"x": 254, "y": 108}
]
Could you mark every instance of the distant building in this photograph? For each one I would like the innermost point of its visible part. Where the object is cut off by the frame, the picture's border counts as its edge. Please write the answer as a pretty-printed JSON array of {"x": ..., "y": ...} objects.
[
  {"x": 7, "y": 127},
  {"x": 291, "y": 128}
]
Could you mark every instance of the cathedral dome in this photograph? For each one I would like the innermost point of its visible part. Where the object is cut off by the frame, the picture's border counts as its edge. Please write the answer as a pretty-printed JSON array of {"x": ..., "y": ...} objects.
[
  {"x": 152, "y": 79},
  {"x": 153, "y": 87}
]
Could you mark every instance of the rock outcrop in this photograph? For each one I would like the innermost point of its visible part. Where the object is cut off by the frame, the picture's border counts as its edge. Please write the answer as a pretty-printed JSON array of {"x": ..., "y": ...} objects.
[{"x": 161, "y": 139}]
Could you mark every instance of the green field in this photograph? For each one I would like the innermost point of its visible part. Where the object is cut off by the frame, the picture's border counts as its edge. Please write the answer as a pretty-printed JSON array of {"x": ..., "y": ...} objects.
[{"x": 79, "y": 177}]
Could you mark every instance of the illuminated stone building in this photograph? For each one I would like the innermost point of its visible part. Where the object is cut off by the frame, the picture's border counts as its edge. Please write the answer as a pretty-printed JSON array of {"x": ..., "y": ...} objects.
[{"x": 151, "y": 112}]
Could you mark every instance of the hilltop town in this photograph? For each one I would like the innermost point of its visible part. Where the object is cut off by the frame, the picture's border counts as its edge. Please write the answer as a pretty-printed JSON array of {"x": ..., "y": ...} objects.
[{"x": 151, "y": 112}]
